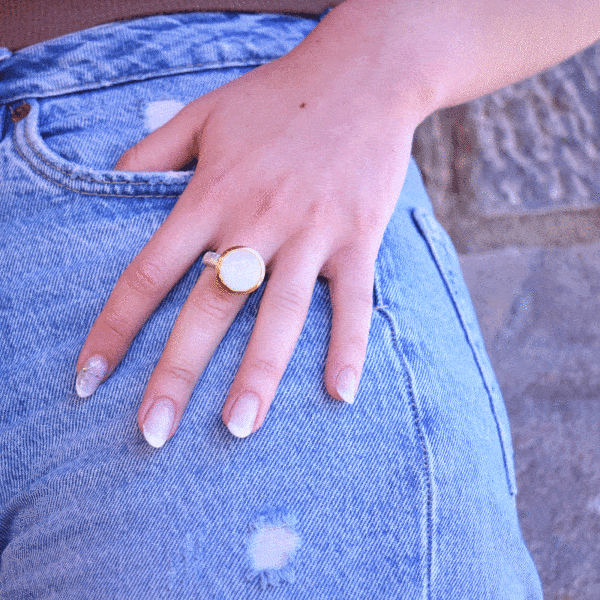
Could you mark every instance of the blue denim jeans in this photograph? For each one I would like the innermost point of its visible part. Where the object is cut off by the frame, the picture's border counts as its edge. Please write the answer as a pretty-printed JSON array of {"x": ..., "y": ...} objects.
[{"x": 408, "y": 493}]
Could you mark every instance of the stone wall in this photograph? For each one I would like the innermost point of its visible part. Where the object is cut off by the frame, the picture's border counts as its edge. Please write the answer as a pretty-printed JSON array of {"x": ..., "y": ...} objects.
[{"x": 520, "y": 166}]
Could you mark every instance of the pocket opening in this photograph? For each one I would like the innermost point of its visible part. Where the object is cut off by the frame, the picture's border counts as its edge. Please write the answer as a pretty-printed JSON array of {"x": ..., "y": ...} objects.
[{"x": 52, "y": 167}]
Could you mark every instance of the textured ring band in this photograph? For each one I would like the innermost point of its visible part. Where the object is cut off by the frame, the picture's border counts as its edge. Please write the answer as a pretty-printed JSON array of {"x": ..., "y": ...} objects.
[{"x": 239, "y": 269}]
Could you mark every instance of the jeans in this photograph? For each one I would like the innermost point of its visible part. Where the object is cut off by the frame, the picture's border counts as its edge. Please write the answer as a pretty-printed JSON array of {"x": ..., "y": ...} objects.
[{"x": 409, "y": 493}]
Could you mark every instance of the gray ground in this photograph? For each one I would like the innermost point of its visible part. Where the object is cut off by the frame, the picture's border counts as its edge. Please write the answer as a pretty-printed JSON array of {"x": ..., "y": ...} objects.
[{"x": 515, "y": 179}]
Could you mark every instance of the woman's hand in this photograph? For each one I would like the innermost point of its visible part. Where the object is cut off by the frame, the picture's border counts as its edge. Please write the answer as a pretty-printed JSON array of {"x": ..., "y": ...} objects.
[{"x": 302, "y": 159}]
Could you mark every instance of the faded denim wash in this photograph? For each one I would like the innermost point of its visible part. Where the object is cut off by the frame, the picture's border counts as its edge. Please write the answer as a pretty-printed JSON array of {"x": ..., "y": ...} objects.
[{"x": 409, "y": 493}]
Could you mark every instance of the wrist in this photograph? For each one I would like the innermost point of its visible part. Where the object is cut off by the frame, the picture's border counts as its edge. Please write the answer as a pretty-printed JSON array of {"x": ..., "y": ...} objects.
[
  {"x": 460, "y": 50},
  {"x": 371, "y": 49}
]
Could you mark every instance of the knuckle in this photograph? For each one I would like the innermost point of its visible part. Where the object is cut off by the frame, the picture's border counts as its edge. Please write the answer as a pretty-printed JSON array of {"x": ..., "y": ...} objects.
[
  {"x": 267, "y": 367},
  {"x": 316, "y": 213},
  {"x": 117, "y": 325},
  {"x": 181, "y": 373},
  {"x": 289, "y": 300},
  {"x": 363, "y": 299},
  {"x": 357, "y": 342},
  {"x": 366, "y": 223},
  {"x": 264, "y": 204},
  {"x": 315, "y": 209},
  {"x": 145, "y": 277},
  {"x": 214, "y": 304}
]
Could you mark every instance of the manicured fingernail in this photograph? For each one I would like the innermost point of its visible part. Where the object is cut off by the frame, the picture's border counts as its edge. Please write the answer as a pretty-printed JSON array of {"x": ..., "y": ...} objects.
[
  {"x": 346, "y": 385},
  {"x": 90, "y": 376},
  {"x": 158, "y": 423},
  {"x": 243, "y": 415}
]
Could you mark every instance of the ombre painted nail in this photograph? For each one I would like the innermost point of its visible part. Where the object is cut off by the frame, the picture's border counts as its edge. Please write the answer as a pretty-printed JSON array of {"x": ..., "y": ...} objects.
[
  {"x": 243, "y": 415},
  {"x": 346, "y": 385},
  {"x": 158, "y": 423},
  {"x": 90, "y": 376}
]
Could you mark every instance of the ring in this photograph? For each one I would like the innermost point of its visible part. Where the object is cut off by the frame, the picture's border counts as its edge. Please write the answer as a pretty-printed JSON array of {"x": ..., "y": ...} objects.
[{"x": 239, "y": 270}]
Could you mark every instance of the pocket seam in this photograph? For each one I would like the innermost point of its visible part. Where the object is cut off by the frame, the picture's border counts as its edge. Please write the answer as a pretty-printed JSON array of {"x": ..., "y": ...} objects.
[
  {"x": 444, "y": 255},
  {"x": 44, "y": 176},
  {"x": 24, "y": 127}
]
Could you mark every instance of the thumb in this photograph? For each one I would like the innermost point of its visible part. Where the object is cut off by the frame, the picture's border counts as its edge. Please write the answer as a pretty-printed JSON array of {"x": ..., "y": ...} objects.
[{"x": 172, "y": 146}]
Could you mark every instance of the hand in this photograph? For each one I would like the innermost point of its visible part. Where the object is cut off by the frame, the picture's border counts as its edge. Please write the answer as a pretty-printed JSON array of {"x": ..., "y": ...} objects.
[{"x": 301, "y": 163}]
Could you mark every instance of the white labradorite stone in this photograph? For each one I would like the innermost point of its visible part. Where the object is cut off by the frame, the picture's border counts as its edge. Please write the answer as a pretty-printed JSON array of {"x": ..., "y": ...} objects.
[{"x": 240, "y": 270}]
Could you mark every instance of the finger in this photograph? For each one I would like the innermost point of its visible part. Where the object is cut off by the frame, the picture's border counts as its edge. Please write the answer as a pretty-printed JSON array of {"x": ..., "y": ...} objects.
[
  {"x": 173, "y": 145},
  {"x": 351, "y": 293},
  {"x": 280, "y": 320},
  {"x": 202, "y": 323},
  {"x": 142, "y": 286}
]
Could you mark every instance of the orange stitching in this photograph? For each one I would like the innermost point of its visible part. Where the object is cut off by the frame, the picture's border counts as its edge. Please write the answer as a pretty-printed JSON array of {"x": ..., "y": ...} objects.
[{"x": 90, "y": 193}]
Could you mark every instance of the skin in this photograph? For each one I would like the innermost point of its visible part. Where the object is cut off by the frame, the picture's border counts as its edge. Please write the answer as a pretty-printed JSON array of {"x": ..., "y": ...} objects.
[
  {"x": 303, "y": 159},
  {"x": 291, "y": 162}
]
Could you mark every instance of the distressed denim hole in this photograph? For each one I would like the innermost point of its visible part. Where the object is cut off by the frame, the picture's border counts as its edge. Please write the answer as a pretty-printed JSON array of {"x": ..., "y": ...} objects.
[
  {"x": 272, "y": 544},
  {"x": 272, "y": 547},
  {"x": 161, "y": 111}
]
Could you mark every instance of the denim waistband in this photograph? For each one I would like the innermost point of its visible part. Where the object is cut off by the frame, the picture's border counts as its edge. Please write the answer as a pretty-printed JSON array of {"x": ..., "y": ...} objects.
[{"x": 134, "y": 50}]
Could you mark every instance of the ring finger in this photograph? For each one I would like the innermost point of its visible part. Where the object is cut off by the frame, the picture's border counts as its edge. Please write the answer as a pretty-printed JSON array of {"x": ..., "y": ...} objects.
[{"x": 279, "y": 323}]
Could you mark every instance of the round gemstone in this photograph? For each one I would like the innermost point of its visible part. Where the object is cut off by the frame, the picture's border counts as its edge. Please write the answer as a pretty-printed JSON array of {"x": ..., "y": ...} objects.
[{"x": 241, "y": 270}]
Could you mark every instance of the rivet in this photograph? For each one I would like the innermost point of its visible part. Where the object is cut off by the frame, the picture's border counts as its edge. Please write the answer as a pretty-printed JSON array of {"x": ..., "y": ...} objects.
[{"x": 20, "y": 112}]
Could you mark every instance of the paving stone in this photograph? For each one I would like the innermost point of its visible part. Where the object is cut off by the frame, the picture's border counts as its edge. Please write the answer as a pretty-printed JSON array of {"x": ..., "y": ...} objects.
[{"x": 539, "y": 311}]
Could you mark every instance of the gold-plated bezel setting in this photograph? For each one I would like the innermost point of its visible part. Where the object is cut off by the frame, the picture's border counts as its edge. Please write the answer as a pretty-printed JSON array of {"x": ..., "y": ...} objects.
[{"x": 222, "y": 257}]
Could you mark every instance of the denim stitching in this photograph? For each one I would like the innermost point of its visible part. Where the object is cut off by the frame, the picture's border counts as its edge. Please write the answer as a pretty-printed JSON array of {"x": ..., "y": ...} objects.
[
  {"x": 432, "y": 236},
  {"x": 79, "y": 178},
  {"x": 92, "y": 193},
  {"x": 54, "y": 167},
  {"x": 417, "y": 421},
  {"x": 144, "y": 77}
]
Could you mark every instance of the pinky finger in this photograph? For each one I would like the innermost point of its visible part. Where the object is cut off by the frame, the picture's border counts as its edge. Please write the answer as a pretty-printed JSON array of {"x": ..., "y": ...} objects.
[{"x": 351, "y": 292}]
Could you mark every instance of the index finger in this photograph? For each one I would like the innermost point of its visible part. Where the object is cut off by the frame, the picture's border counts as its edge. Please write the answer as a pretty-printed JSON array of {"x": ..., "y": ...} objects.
[{"x": 142, "y": 286}]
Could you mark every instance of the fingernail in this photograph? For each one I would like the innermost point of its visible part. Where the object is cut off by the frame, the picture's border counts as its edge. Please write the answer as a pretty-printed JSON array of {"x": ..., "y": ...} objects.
[
  {"x": 346, "y": 385},
  {"x": 243, "y": 415},
  {"x": 90, "y": 376},
  {"x": 158, "y": 423}
]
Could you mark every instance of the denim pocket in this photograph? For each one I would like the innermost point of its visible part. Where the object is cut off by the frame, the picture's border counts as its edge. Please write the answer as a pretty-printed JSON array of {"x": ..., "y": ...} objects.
[
  {"x": 444, "y": 255},
  {"x": 74, "y": 177}
]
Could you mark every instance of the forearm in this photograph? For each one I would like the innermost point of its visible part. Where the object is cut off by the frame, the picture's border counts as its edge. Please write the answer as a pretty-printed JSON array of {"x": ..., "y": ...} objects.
[
  {"x": 489, "y": 45},
  {"x": 453, "y": 51}
]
